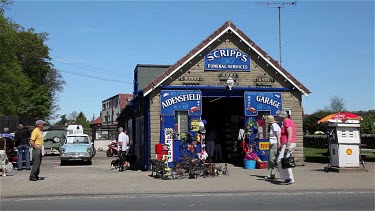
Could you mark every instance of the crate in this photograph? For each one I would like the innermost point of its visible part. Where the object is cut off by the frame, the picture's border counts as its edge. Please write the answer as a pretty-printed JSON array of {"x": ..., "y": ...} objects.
[{"x": 261, "y": 165}]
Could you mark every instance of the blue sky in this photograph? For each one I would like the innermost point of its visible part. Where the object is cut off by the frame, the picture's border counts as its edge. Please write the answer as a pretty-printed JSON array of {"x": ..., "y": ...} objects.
[{"x": 327, "y": 45}]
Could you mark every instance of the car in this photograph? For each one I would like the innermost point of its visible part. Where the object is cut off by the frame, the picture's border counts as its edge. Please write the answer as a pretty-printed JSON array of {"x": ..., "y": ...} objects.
[
  {"x": 51, "y": 143},
  {"x": 77, "y": 147}
]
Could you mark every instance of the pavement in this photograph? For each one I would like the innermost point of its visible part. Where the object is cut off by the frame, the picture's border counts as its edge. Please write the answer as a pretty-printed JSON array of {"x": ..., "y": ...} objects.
[{"x": 99, "y": 179}]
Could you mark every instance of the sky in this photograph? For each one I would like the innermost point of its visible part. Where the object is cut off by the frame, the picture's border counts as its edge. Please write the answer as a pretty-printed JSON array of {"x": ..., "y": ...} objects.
[{"x": 327, "y": 45}]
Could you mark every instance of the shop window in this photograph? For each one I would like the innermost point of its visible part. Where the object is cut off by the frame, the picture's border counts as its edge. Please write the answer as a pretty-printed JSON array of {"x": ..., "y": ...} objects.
[{"x": 180, "y": 122}]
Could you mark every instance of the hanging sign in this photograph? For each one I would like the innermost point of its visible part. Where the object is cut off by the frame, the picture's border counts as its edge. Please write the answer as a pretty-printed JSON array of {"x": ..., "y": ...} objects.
[
  {"x": 168, "y": 143},
  {"x": 178, "y": 100},
  {"x": 262, "y": 101},
  {"x": 227, "y": 59}
]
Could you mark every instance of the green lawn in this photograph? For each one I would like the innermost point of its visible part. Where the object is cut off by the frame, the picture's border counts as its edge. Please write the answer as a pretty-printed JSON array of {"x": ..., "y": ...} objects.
[{"x": 318, "y": 155}]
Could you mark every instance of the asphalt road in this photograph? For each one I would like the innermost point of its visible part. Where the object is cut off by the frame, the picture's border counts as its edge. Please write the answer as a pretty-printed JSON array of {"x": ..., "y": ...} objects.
[{"x": 314, "y": 200}]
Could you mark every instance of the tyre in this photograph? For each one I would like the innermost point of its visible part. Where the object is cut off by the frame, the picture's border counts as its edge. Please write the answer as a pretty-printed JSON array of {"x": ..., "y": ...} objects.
[
  {"x": 89, "y": 162},
  {"x": 93, "y": 152},
  {"x": 63, "y": 163},
  {"x": 109, "y": 153}
]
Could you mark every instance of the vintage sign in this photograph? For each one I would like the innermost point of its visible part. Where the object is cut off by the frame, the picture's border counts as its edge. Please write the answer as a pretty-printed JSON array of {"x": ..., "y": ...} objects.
[
  {"x": 264, "y": 145},
  {"x": 227, "y": 59},
  {"x": 178, "y": 100},
  {"x": 194, "y": 125},
  {"x": 168, "y": 143},
  {"x": 262, "y": 101}
]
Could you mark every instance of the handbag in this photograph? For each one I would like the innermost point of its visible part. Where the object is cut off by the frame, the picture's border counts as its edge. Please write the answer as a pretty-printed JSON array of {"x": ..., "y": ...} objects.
[
  {"x": 9, "y": 167},
  {"x": 288, "y": 162}
]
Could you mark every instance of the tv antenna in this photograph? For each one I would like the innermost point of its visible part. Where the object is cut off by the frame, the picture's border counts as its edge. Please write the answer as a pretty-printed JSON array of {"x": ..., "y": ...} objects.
[{"x": 279, "y": 5}]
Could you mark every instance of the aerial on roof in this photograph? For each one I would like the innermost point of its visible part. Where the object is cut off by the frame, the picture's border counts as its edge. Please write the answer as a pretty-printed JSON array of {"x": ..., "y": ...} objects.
[{"x": 226, "y": 27}]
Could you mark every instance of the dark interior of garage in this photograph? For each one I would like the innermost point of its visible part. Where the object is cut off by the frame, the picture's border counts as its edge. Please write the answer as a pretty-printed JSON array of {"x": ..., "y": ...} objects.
[{"x": 225, "y": 115}]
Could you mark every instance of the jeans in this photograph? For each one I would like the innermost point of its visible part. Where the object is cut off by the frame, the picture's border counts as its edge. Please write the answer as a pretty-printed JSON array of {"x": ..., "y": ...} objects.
[
  {"x": 23, "y": 150},
  {"x": 37, "y": 160},
  {"x": 271, "y": 163}
]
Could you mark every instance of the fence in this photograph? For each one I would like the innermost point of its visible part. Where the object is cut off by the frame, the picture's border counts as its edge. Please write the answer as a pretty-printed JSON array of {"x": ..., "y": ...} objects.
[{"x": 12, "y": 122}]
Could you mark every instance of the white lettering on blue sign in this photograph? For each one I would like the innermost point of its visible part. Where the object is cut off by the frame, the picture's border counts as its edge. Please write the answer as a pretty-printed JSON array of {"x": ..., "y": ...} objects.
[
  {"x": 227, "y": 53},
  {"x": 268, "y": 101},
  {"x": 181, "y": 98}
]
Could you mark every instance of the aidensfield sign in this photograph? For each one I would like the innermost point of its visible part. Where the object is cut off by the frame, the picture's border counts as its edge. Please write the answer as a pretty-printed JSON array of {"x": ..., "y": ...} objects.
[{"x": 227, "y": 59}]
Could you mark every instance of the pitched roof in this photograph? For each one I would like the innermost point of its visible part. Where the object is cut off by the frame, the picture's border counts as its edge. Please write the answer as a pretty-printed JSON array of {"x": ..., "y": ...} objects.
[
  {"x": 226, "y": 27},
  {"x": 96, "y": 121}
]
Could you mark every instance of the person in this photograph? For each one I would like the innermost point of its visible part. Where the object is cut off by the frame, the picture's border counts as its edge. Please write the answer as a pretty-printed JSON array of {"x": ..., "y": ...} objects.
[
  {"x": 123, "y": 142},
  {"x": 36, "y": 142},
  {"x": 21, "y": 139},
  {"x": 3, "y": 155},
  {"x": 210, "y": 140},
  {"x": 288, "y": 144},
  {"x": 10, "y": 142},
  {"x": 274, "y": 136}
]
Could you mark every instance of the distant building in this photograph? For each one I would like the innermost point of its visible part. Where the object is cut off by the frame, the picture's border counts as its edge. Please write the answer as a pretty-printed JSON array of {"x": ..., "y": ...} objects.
[
  {"x": 111, "y": 108},
  {"x": 105, "y": 126}
]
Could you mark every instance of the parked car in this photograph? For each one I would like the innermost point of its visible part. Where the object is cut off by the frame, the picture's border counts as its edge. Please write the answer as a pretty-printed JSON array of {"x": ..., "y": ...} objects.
[
  {"x": 51, "y": 143},
  {"x": 77, "y": 147}
]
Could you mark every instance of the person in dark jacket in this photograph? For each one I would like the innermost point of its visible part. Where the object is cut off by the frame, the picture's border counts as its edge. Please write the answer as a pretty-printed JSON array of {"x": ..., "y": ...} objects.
[{"x": 21, "y": 139}]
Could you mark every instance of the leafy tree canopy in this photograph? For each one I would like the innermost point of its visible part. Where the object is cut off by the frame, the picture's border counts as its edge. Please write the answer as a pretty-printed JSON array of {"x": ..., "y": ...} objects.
[{"x": 28, "y": 81}]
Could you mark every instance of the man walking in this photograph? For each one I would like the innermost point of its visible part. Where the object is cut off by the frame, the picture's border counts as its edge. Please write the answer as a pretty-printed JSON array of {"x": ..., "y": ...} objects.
[
  {"x": 123, "y": 141},
  {"x": 36, "y": 141},
  {"x": 21, "y": 139}
]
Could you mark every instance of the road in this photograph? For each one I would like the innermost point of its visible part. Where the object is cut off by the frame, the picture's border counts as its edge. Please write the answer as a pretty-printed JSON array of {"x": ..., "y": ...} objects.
[{"x": 312, "y": 200}]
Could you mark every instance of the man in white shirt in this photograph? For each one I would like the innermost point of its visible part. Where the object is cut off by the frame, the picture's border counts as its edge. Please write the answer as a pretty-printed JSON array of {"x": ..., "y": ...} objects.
[{"x": 123, "y": 146}]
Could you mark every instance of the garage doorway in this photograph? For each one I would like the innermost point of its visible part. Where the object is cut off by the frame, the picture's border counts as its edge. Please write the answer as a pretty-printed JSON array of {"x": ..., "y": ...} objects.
[{"x": 225, "y": 115}]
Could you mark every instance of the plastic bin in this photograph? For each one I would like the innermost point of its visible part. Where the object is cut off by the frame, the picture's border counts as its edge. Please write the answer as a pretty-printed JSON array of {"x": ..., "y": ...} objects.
[
  {"x": 261, "y": 165},
  {"x": 249, "y": 164}
]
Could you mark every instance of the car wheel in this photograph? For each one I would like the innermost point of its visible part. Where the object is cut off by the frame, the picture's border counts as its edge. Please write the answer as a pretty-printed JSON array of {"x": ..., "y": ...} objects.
[
  {"x": 89, "y": 162},
  {"x": 63, "y": 163}
]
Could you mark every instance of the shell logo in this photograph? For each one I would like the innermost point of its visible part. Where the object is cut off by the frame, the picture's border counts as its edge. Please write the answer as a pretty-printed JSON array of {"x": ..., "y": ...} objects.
[{"x": 349, "y": 151}]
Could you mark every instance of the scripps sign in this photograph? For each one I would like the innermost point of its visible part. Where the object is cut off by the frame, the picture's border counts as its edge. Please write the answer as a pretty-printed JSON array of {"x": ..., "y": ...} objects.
[
  {"x": 227, "y": 59},
  {"x": 171, "y": 100}
]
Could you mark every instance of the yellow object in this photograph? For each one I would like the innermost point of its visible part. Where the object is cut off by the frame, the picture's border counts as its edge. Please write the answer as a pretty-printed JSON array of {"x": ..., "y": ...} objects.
[
  {"x": 264, "y": 145},
  {"x": 349, "y": 151},
  {"x": 37, "y": 137}
]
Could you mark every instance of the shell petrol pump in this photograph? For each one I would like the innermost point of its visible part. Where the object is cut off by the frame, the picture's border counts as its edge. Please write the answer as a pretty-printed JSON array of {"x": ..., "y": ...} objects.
[{"x": 344, "y": 144}]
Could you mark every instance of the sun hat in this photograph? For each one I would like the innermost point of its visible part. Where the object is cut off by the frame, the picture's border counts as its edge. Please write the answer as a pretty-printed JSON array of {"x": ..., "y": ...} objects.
[
  {"x": 270, "y": 119},
  {"x": 40, "y": 122}
]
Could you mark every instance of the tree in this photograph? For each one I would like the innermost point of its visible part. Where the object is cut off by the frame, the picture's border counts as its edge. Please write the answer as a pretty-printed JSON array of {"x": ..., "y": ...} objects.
[
  {"x": 62, "y": 120},
  {"x": 336, "y": 105},
  {"x": 28, "y": 81},
  {"x": 73, "y": 116},
  {"x": 82, "y": 120},
  {"x": 310, "y": 122}
]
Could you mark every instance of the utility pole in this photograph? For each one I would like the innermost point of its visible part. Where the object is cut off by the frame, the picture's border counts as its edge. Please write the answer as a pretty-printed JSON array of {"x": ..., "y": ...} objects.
[{"x": 279, "y": 5}]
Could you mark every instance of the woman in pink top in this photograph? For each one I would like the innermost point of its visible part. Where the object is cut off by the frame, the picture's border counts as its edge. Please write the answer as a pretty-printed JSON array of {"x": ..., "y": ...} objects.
[{"x": 288, "y": 144}]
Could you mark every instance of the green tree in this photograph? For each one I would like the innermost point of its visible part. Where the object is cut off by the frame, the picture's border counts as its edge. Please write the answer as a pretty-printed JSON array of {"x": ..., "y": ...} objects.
[
  {"x": 82, "y": 120},
  {"x": 62, "y": 120},
  {"x": 28, "y": 81},
  {"x": 336, "y": 105},
  {"x": 368, "y": 124},
  {"x": 310, "y": 121}
]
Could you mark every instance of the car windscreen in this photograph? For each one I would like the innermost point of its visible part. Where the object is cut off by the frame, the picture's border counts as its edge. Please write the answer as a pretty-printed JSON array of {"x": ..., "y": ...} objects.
[{"x": 77, "y": 140}]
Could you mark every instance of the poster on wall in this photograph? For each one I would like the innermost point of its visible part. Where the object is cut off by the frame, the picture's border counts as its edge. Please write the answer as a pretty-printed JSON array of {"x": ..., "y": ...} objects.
[
  {"x": 262, "y": 101},
  {"x": 181, "y": 100},
  {"x": 227, "y": 59}
]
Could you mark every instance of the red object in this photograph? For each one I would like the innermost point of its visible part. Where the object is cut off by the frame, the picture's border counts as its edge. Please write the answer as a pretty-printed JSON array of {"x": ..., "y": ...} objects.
[
  {"x": 159, "y": 157},
  {"x": 194, "y": 109},
  {"x": 251, "y": 109},
  {"x": 342, "y": 116},
  {"x": 261, "y": 165},
  {"x": 161, "y": 149}
]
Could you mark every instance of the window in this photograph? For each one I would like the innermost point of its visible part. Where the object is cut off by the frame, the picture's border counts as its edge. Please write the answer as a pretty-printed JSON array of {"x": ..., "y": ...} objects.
[{"x": 180, "y": 122}]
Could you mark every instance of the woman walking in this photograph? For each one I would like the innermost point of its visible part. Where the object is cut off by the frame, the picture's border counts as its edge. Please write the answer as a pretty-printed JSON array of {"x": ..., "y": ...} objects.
[
  {"x": 288, "y": 144},
  {"x": 3, "y": 156},
  {"x": 274, "y": 136}
]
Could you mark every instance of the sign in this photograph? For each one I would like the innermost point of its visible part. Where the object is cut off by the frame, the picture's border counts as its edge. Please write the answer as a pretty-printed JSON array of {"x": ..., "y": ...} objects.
[
  {"x": 227, "y": 59},
  {"x": 194, "y": 125},
  {"x": 168, "y": 143},
  {"x": 178, "y": 100},
  {"x": 262, "y": 101},
  {"x": 264, "y": 145}
]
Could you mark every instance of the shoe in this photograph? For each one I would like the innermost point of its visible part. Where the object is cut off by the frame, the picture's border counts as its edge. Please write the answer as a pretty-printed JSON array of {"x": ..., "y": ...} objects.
[
  {"x": 33, "y": 179},
  {"x": 40, "y": 178},
  {"x": 4, "y": 175},
  {"x": 288, "y": 182},
  {"x": 19, "y": 169},
  {"x": 28, "y": 169}
]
